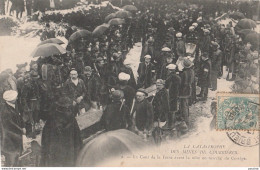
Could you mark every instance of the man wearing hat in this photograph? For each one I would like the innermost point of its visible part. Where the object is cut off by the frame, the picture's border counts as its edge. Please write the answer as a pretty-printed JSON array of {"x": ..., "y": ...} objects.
[
  {"x": 205, "y": 41},
  {"x": 164, "y": 71},
  {"x": 93, "y": 84},
  {"x": 161, "y": 104},
  {"x": 173, "y": 83},
  {"x": 116, "y": 115},
  {"x": 204, "y": 76},
  {"x": 76, "y": 90},
  {"x": 191, "y": 36},
  {"x": 180, "y": 45},
  {"x": 187, "y": 77},
  {"x": 145, "y": 73},
  {"x": 61, "y": 139},
  {"x": 216, "y": 59},
  {"x": 30, "y": 100},
  {"x": 142, "y": 113},
  {"x": 12, "y": 129},
  {"x": 129, "y": 92}
]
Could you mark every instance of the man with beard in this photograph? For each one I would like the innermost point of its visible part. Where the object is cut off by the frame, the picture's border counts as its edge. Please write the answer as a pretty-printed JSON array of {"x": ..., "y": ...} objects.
[
  {"x": 173, "y": 83},
  {"x": 142, "y": 113},
  {"x": 92, "y": 83},
  {"x": 61, "y": 140},
  {"x": 161, "y": 104},
  {"x": 204, "y": 76},
  {"x": 76, "y": 90},
  {"x": 11, "y": 129}
]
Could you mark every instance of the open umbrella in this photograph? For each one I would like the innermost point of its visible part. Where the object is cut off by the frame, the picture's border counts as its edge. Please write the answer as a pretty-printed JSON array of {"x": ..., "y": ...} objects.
[
  {"x": 237, "y": 15},
  {"x": 110, "y": 16},
  {"x": 48, "y": 49},
  {"x": 80, "y": 34},
  {"x": 51, "y": 40},
  {"x": 130, "y": 8},
  {"x": 116, "y": 21},
  {"x": 123, "y": 14},
  {"x": 99, "y": 30},
  {"x": 246, "y": 24},
  {"x": 109, "y": 145},
  {"x": 254, "y": 39}
]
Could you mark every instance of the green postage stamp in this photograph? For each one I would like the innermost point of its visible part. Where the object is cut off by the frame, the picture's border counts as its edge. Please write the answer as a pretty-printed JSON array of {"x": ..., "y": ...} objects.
[{"x": 237, "y": 111}]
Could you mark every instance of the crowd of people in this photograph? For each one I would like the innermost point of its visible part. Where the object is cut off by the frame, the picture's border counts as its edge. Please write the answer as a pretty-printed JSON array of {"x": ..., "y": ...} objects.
[{"x": 182, "y": 50}]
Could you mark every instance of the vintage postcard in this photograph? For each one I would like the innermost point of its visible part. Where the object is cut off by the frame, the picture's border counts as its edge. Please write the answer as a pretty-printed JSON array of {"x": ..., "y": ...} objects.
[{"x": 129, "y": 83}]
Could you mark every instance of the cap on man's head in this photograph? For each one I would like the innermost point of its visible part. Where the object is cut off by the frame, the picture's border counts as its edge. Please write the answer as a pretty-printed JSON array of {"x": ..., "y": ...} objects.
[
  {"x": 191, "y": 28},
  {"x": 143, "y": 91},
  {"x": 179, "y": 35},
  {"x": 10, "y": 95},
  {"x": 195, "y": 24},
  {"x": 123, "y": 76},
  {"x": 73, "y": 71},
  {"x": 187, "y": 63},
  {"x": 147, "y": 56},
  {"x": 171, "y": 67},
  {"x": 206, "y": 30},
  {"x": 117, "y": 95},
  {"x": 88, "y": 69},
  {"x": 160, "y": 82},
  {"x": 199, "y": 19},
  {"x": 166, "y": 49}
]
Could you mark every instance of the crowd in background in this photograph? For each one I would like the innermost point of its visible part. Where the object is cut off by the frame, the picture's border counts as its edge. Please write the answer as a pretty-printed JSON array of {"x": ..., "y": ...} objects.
[{"x": 182, "y": 49}]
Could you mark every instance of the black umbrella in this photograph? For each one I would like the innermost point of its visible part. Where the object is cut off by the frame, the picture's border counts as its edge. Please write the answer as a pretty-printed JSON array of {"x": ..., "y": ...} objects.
[
  {"x": 85, "y": 34},
  {"x": 237, "y": 15}
]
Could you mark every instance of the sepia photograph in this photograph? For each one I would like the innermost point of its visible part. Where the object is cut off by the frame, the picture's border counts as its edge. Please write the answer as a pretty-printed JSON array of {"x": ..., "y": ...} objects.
[{"x": 129, "y": 83}]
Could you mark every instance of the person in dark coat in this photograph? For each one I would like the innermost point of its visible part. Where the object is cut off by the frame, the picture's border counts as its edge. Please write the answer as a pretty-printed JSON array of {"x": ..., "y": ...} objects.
[
  {"x": 216, "y": 59},
  {"x": 164, "y": 70},
  {"x": 185, "y": 90},
  {"x": 173, "y": 84},
  {"x": 129, "y": 92},
  {"x": 180, "y": 45},
  {"x": 47, "y": 33},
  {"x": 2, "y": 7},
  {"x": 75, "y": 88},
  {"x": 204, "y": 44},
  {"x": 145, "y": 74},
  {"x": 12, "y": 129},
  {"x": 70, "y": 31},
  {"x": 93, "y": 84},
  {"x": 116, "y": 115},
  {"x": 204, "y": 76},
  {"x": 142, "y": 112},
  {"x": 161, "y": 104},
  {"x": 61, "y": 140}
]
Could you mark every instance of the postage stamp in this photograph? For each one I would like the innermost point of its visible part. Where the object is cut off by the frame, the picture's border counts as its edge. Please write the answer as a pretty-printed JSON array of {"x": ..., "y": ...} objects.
[{"x": 237, "y": 111}]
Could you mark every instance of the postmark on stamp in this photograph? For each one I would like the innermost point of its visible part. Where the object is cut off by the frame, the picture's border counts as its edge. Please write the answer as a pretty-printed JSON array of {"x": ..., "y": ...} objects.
[
  {"x": 244, "y": 138},
  {"x": 237, "y": 111}
]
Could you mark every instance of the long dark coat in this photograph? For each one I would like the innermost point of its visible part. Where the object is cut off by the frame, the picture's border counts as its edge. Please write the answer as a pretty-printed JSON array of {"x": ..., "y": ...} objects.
[
  {"x": 145, "y": 75},
  {"x": 173, "y": 84},
  {"x": 93, "y": 85},
  {"x": 60, "y": 143},
  {"x": 216, "y": 60},
  {"x": 11, "y": 130},
  {"x": 144, "y": 115},
  {"x": 113, "y": 118},
  {"x": 161, "y": 105},
  {"x": 187, "y": 77},
  {"x": 204, "y": 74},
  {"x": 129, "y": 94}
]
